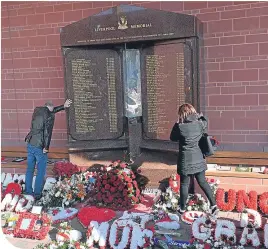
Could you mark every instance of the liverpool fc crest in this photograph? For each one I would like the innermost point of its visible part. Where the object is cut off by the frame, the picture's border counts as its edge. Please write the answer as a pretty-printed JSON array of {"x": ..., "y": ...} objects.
[{"x": 122, "y": 23}]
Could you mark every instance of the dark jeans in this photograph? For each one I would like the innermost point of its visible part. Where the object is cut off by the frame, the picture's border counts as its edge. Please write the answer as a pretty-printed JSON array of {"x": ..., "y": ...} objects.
[
  {"x": 184, "y": 188},
  {"x": 35, "y": 156}
]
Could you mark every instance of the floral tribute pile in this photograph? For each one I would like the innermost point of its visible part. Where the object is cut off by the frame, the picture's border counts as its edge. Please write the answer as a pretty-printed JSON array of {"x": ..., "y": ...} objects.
[
  {"x": 116, "y": 187},
  {"x": 68, "y": 191},
  {"x": 65, "y": 169},
  {"x": 170, "y": 199},
  {"x": 240, "y": 200},
  {"x": 222, "y": 233}
]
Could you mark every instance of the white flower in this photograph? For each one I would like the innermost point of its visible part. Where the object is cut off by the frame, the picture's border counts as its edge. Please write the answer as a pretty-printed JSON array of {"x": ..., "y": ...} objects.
[
  {"x": 174, "y": 200},
  {"x": 67, "y": 203},
  {"x": 57, "y": 194},
  {"x": 189, "y": 208}
]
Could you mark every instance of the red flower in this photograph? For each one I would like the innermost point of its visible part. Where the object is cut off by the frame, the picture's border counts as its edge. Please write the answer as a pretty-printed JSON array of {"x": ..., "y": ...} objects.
[
  {"x": 124, "y": 192},
  {"x": 107, "y": 186},
  {"x": 250, "y": 200},
  {"x": 104, "y": 182},
  {"x": 129, "y": 185},
  {"x": 104, "y": 176},
  {"x": 263, "y": 202},
  {"x": 220, "y": 198},
  {"x": 191, "y": 203},
  {"x": 55, "y": 211},
  {"x": 123, "y": 165},
  {"x": 103, "y": 190},
  {"x": 207, "y": 246}
]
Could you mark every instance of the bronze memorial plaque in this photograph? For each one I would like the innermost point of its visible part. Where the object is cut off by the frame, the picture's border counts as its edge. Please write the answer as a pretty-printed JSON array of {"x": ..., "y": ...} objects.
[
  {"x": 167, "y": 83},
  {"x": 94, "y": 83}
]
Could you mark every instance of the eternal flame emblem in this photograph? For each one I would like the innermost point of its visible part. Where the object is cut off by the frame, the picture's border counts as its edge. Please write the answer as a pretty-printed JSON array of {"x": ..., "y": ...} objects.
[{"x": 122, "y": 24}]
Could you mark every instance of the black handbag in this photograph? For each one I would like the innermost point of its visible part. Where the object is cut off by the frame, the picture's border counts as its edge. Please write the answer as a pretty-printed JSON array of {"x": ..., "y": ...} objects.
[{"x": 206, "y": 146}]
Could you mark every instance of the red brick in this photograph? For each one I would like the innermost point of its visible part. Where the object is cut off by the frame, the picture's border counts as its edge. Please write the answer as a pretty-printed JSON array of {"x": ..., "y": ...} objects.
[
  {"x": 45, "y": 31},
  {"x": 235, "y": 7},
  {"x": 74, "y": 15},
  {"x": 263, "y": 48},
  {"x": 263, "y": 74},
  {"x": 49, "y": 74},
  {"x": 246, "y": 99},
  {"x": 245, "y": 75},
  {"x": 11, "y": 124},
  {"x": 29, "y": 54},
  {"x": 39, "y": 62},
  {"x": 63, "y": 7},
  {"x": 263, "y": 124},
  {"x": 245, "y": 50},
  {"x": 149, "y": 5},
  {"x": 220, "y": 26},
  {"x": 21, "y": 63},
  {"x": 211, "y": 41},
  {"x": 255, "y": 138},
  {"x": 56, "y": 83},
  {"x": 7, "y": 84},
  {"x": 233, "y": 90},
  {"x": 263, "y": 99},
  {"x": 53, "y": 40},
  {"x": 257, "y": 89},
  {"x": 51, "y": 95},
  {"x": 246, "y": 23},
  {"x": 55, "y": 61},
  {"x": 245, "y": 124},
  {"x": 213, "y": 90},
  {"x": 54, "y": 17},
  {"x": 233, "y": 114},
  {"x": 208, "y": 16},
  {"x": 40, "y": 83},
  {"x": 219, "y": 51},
  {"x": 233, "y": 138},
  {"x": 19, "y": 42},
  {"x": 103, "y": 4},
  {"x": 47, "y": 53},
  {"x": 232, "y": 65},
  {"x": 6, "y": 64},
  {"x": 36, "y": 19},
  {"x": 23, "y": 84},
  {"x": 212, "y": 66},
  {"x": 82, "y": 5},
  {"x": 195, "y": 5},
  {"x": 17, "y": 21},
  {"x": 235, "y": 187},
  {"x": 257, "y": 64},
  {"x": 233, "y": 14},
  {"x": 91, "y": 12},
  {"x": 4, "y": 22},
  {"x": 44, "y": 9},
  {"x": 257, "y": 11},
  {"x": 8, "y": 104},
  {"x": 265, "y": 182},
  {"x": 256, "y": 38},
  {"x": 31, "y": 75},
  {"x": 26, "y": 11},
  {"x": 220, "y": 100},
  {"x": 219, "y": 3},
  {"x": 171, "y": 6},
  {"x": 216, "y": 123},
  {"x": 27, "y": 32},
  {"x": 37, "y": 41},
  {"x": 264, "y": 21},
  {"x": 220, "y": 76},
  {"x": 14, "y": 34}
]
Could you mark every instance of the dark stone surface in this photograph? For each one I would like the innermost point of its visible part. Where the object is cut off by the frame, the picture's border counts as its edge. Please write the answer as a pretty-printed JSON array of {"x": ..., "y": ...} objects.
[
  {"x": 126, "y": 23},
  {"x": 94, "y": 83}
]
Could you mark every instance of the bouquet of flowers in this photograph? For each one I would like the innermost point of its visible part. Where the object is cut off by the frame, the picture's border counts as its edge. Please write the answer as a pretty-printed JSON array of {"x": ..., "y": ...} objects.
[
  {"x": 65, "y": 169},
  {"x": 170, "y": 199},
  {"x": 68, "y": 191},
  {"x": 116, "y": 186}
]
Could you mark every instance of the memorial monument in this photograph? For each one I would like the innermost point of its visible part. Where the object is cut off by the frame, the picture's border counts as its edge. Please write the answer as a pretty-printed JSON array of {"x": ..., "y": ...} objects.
[{"x": 128, "y": 69}]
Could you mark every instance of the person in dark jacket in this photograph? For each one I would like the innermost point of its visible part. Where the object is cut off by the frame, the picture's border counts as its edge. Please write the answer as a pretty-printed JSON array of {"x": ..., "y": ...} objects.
[
  {"x": 38, "y": 141},
  {"x": 191, "y": 162}
]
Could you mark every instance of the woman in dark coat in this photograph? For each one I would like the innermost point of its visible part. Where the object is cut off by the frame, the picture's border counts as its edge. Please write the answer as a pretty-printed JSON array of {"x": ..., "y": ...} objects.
[{"x": 191, "y": 162}]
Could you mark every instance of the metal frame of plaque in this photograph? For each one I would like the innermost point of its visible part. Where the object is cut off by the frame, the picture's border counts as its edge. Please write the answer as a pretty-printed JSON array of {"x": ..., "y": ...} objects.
[{"x": 93, "y": 48}]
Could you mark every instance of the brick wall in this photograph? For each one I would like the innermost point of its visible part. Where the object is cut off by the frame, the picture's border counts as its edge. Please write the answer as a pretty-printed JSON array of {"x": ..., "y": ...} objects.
[{"x": 236, "y": 61}]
